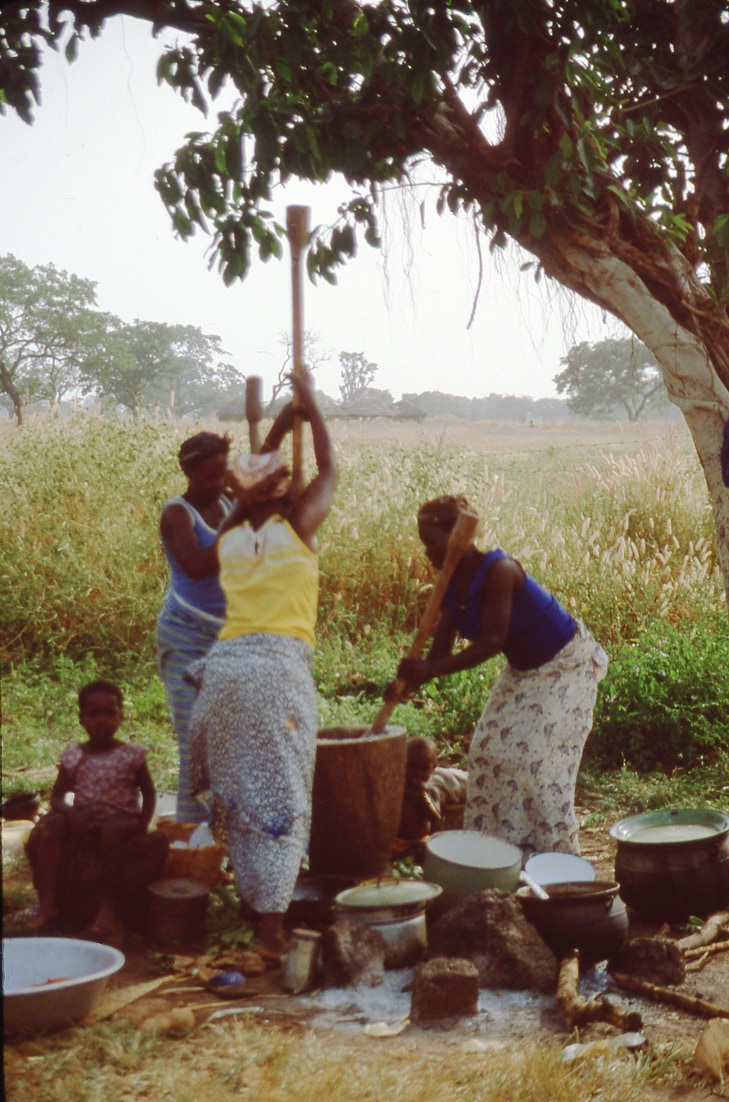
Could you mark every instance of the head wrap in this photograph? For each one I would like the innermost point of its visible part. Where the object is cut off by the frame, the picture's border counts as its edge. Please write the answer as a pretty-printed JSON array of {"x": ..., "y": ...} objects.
[
  {"x": 443, "y": 511},
  {"x": 204, "y": 445},
  {"x": 251, "y": 468}
]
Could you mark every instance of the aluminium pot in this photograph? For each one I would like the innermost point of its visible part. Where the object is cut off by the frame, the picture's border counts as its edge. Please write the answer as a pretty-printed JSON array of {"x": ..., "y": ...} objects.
[
  {"x": 673, "y": 863},
  {"x": 587, "y": 916},
  {"x": 395, "y": 909},
  {"x": 389, "y": 897}
]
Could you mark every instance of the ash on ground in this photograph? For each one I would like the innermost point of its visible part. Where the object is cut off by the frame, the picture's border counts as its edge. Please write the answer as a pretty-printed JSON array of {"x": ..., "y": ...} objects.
[{"x": 508, "y": 1014}]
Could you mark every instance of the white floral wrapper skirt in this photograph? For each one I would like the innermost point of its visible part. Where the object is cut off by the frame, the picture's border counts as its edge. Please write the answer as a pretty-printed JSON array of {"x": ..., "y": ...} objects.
[{"x": 526, "y": 750}]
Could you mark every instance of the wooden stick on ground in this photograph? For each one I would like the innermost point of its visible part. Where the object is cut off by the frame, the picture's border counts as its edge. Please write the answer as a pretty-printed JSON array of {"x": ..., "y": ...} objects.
[
  {"x": 579, "y": 1011},
  {"x": 701, "y": 954},
  {"x": 715, "y": 924},
  {"x": 700, "y": 1007},
  {"x": 704, "y": 950}
]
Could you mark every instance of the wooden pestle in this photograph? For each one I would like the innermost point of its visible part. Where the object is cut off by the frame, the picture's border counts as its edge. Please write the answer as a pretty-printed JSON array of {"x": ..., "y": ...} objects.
[{"x": 460, "y": 540}]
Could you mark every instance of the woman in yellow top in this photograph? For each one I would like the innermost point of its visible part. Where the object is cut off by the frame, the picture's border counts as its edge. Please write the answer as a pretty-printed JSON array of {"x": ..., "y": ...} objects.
[{"x": 254, "y": 721}]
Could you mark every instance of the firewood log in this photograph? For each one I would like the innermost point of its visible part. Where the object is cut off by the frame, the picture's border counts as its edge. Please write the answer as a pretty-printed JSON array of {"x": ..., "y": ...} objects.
[
  {"x": 580, "y": 1011},
  {"x": 707, "y": 950},
  {"x": 667, "y": 995},
  {"x": 715, "y": 924},
  {"x": 703, "y": 952}
]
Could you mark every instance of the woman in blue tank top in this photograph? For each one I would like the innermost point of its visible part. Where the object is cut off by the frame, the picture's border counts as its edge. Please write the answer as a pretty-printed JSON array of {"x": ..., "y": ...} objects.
[
  {"x": 527, "y": 746},
  {"x": 194, "y": 608}
]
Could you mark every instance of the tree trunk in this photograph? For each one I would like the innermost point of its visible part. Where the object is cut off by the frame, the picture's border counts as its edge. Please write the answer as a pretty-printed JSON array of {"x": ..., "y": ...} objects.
[
  {"x": 11, "y": 390},
  {"x": 685, "y": 361}
]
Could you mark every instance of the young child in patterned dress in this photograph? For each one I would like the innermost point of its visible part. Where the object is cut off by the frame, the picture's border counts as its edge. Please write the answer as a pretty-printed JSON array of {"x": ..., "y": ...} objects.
[
  {"x": 420, "y": 814},
  {"x": 93, "y": 857}
]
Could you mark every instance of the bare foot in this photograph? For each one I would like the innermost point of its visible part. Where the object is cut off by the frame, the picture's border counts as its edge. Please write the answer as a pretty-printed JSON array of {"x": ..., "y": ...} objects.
[
  {"x": 272, "y": 941},
  {"x": 272, "y": 956}
]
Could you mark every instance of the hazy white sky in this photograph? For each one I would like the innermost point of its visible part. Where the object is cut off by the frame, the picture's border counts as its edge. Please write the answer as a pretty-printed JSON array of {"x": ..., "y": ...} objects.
[{"x": 76, "y": 190}]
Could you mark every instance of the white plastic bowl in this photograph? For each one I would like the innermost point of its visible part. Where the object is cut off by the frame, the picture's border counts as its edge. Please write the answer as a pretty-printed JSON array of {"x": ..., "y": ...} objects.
[
  {"x": 80, "y": 971},
  {"x": 559, "y": 868},
  {"x": 465, "y": 861}
]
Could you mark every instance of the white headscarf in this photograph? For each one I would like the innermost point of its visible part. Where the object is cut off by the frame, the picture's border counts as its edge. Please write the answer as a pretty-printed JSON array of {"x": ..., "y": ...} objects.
[{"x": 250, "y": 469}]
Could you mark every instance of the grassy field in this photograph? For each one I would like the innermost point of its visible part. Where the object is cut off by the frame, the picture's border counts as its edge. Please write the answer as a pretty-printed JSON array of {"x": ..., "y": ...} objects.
[{"x": 612, "y": 517}]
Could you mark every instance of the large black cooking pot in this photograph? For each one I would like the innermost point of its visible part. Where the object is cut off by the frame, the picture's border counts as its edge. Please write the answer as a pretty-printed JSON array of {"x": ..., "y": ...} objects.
[
  {"x": 673, "y": 863},
  {"x": 588, "y": 916}
]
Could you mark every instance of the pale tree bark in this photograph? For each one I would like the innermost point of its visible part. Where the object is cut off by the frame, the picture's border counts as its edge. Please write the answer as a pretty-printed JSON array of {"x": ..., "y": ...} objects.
[
  {"x": 8, "y": 385},
  {"x": 691, "y": 379}
]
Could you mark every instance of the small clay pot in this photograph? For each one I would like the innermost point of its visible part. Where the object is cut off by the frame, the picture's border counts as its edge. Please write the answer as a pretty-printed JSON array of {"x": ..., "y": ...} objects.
[{"x": 21, "y": 805}]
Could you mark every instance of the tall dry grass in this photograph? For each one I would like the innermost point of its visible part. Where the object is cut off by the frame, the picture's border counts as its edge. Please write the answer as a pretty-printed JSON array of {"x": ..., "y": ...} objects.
[
  {"x": 623, "y": 535},
  {"x": 623, "y": 538},
  {"x": 614, "y": 519}
]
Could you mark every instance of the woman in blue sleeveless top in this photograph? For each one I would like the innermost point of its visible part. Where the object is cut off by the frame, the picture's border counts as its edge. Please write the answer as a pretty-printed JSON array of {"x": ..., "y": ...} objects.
[
  {"x": 194, "y": 608},
  {"x": 527, "y": 746}
]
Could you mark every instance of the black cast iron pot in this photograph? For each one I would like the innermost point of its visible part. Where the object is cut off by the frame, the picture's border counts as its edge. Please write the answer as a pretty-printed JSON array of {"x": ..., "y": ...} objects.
[
  {"x": 589, "y": 917},
  {"x": 673, "y": 863}
]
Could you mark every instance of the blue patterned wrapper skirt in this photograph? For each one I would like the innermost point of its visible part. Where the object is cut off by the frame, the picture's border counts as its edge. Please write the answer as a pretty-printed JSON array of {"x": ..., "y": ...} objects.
[
  {"x": 182, "y": 638},
  {"x": 253, "y": 743}
]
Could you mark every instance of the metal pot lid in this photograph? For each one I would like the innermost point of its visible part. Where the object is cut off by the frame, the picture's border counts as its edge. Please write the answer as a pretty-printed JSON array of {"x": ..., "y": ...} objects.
[
  {"x": 671, "y": 825},
  {"x": 388, "y": 892}
]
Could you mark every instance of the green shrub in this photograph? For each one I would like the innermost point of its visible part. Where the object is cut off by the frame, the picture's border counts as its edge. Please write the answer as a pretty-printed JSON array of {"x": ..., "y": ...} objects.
[{"x": 664, "y": 703}]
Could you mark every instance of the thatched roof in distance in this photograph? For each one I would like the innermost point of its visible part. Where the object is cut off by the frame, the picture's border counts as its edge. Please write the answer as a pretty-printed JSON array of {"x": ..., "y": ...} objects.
[
  {"x": 408, "y": 411},
  {"x": 366, "y": 406},
  {"x": 328, "y": 406}
]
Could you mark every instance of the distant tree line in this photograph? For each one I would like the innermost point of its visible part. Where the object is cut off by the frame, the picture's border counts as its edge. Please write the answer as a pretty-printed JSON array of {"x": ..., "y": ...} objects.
[
  {"x": 55, "y": 344},
  {"x": 495, "y": 407}
]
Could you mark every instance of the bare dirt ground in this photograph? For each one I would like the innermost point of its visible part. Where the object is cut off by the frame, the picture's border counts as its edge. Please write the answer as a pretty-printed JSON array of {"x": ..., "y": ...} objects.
[{"x": 168, "y": 976}]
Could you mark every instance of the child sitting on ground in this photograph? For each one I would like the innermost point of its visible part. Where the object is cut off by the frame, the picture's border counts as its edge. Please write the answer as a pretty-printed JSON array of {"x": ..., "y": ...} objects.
[{"x": 92, "y": 858}]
